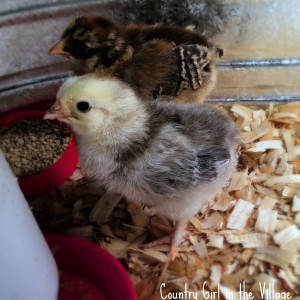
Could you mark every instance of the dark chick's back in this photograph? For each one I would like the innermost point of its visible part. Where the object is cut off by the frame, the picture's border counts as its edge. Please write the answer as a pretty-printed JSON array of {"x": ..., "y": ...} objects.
[
  {"x": 171, "y": 60},
  {"x": 158, "y": 68},
  {"x": 155, "y": 60},
  {"x": 174, "y": 34}
]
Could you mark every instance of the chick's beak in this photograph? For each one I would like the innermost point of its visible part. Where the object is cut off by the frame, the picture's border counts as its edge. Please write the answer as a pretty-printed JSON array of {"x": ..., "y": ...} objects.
[
  {"x": 58, "y": 49},
  {"x": 56, "y": 112}
]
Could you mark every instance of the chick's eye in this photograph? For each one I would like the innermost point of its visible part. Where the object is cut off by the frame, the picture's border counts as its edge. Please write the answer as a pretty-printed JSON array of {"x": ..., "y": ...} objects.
[
  {"x": 82, "y": 49},
  {"x": 83, "y": 106}
]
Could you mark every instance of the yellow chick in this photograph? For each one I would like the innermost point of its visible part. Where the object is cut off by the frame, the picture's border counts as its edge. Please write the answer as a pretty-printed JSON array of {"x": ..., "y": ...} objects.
[{"x": 174, "y": 157}]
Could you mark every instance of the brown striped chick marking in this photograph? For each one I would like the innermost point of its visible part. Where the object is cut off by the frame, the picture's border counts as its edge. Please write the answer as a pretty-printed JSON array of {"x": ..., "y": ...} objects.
[
  {"x": 156, "y": 60},
  {"x": 173, "y": 157}
]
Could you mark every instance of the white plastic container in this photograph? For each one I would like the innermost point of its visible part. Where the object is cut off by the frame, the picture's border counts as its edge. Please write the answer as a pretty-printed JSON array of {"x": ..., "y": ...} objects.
[{"x": 27, "y": 268}]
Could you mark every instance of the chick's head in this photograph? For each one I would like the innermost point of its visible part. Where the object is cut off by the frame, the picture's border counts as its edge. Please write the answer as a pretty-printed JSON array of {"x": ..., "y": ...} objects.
[
  {"x": 90, "y": 104},
  {"x": 95, "y": 41}
]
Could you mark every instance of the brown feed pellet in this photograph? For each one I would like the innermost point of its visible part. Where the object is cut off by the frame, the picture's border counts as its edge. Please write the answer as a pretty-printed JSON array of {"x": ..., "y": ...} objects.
[{"x": 32, "y": 145}]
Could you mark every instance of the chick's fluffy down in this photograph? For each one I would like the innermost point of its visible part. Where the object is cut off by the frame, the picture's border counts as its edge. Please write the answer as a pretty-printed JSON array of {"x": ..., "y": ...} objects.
[
  {"x": 179, "y": 61},
  {"x": 175, "y": 157}
]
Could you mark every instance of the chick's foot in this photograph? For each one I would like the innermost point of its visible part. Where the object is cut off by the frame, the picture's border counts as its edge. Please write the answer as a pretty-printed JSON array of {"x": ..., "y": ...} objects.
[{"x": 173, "y": 237}]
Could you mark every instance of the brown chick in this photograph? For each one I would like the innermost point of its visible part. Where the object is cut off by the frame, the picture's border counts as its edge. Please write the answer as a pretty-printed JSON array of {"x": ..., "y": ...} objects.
[
  {"x": 156, "y": 60},
  {"x": 173, "y": 157}
]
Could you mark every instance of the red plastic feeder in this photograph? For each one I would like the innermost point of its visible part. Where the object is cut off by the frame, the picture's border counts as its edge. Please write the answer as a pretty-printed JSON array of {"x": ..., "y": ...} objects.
[
  {"x": 88, "y": 271},
  {"x": 52, "y": 177}
]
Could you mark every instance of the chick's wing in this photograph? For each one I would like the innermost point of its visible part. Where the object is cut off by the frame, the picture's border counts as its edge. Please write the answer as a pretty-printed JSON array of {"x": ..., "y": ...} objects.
[
  {"x": 193, "y": 68},
  {"x": 175, "y": 169}
]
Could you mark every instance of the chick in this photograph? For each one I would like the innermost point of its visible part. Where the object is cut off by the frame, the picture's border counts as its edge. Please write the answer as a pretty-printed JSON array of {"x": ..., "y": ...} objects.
[
  {"x": 154, "y": 59},
  {"x": 173, "y": 157}
]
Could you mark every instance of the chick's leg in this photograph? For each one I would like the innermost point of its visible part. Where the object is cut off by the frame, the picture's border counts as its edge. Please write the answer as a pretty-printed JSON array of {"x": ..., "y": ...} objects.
[{"x": 173, "y": 237}]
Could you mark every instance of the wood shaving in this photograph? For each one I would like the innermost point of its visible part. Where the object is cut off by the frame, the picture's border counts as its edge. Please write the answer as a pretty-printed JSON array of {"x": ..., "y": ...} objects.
[
  {"x": 216, "y": 240},
  {"x": 240, "y": 214},
  {"x": 247, "y": 238},
  {"x": 265, "y": 145},
  {"x": 296, "y": 203},
  {"x": 286, "y": 235},
  {"x": 266, "y": 220}
]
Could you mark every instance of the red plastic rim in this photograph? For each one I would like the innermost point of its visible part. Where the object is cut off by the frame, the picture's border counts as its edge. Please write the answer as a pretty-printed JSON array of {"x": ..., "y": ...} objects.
[
  {"x": 52, "y": 177},
  {"x": 88, "y": 271}
]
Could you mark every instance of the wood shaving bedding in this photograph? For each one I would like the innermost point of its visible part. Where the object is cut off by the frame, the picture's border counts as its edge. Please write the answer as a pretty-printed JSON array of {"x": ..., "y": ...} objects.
[{"x": 248, "y": 239}]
